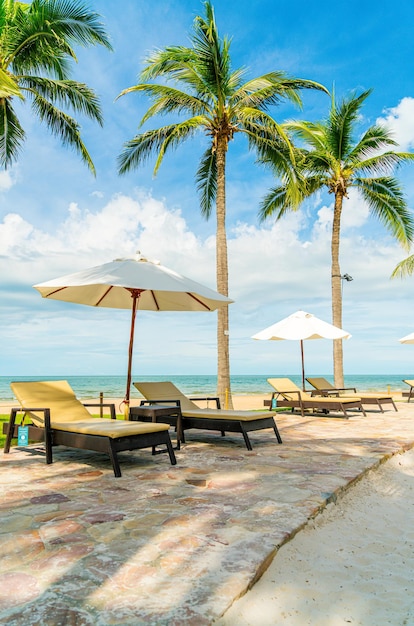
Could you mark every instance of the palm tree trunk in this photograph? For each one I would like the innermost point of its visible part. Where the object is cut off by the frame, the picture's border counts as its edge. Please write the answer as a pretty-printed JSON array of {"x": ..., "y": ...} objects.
[
  {"x": 222, "y": 273},
  {"x": 336, "y": 283}
]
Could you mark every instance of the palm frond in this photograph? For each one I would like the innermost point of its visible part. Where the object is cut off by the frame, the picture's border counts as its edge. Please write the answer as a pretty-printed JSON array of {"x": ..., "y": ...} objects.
[
  {"x": 404, "y": 268},
  {"x": 272, "y": 88},
  {"x": 169, "y": 100},
  {"x": 71, "y": 21},
  {"x": 341, "y": 123},
  {"x": 12, "y": 134},
  {"x": 78, "y": 96},
  {"x": 140, "y": 148},
  {"x": 312, "y": 133},
  {"x": 63, "y": 126},
  {"x": 383, "y": 163},
  {"x": 386, "y": 200},
  {"x": 206, "y": 179},
  {"x": 9, "y": 86}
]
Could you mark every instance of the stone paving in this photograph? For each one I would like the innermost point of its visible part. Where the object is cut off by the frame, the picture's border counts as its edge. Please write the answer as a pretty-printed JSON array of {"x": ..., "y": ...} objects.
[{"x": 171, "y": 546}]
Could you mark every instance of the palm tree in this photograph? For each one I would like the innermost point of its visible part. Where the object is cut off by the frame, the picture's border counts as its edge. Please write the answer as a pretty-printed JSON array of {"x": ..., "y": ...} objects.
[
  {"x": 335, "y": 160},
  {"x": 219, "y": 104},
  {"x": 35, "y": 49}
]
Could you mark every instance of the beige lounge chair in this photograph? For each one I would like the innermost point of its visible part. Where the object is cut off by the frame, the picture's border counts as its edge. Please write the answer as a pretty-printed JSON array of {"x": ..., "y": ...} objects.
[
  {"x": 408, "y": 394},
  {"x": 205, "y": 418},
  {"x": 57, "y": 417},
  {"x": 325, "y": 388},
  {"x": 289, "y": 395}
]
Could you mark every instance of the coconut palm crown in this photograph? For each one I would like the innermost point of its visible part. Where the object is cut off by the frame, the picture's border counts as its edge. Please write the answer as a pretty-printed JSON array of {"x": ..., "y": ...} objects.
[
  {"x": 199, "y": 85},
  {"x": 36, "y": 46},
  {"x": 335, "y": 160}
]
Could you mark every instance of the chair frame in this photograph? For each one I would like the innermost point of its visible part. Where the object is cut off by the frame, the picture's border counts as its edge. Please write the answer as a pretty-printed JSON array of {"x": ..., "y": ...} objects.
[
  {"x": 221, "y": 424},
  {"x": 314, "y": 404},
  {"x": 97, "y": 443},
  {"x": 408, "y": 394},
  {"x": 335, "y": 391}
]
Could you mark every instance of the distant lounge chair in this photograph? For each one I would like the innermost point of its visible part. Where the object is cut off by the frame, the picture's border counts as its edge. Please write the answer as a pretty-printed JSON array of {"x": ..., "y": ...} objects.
[
  {"x": 57, "y": 417},
  {"x": 289, "y": 395},
  {"x": 205, "y": 418},
  {"x": 325, "y": 388},
  {"x": 409, "y": 394}
]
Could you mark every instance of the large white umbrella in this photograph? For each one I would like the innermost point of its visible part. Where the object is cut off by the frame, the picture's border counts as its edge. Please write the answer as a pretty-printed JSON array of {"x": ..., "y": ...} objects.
[
  {"x": 135, "y": 284},
  {"x": 300, "y": 326},
  {"x": 407, "y": 339}
]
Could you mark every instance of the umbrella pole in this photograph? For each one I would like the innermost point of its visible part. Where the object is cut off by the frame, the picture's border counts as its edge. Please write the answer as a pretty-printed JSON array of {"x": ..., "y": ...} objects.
[
  {"x": 303, "y": 364},
  {"x": 135, "y": 295}
]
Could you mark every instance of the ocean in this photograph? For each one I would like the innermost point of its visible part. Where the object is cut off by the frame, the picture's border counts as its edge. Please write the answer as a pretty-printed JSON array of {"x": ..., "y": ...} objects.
[{"x": 114, "y": 386}]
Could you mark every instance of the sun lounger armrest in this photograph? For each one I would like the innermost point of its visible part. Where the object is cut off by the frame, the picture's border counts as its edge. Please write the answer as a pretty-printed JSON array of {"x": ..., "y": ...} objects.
[
  {"x": 109, "y": 405},
  {"x": 331, "y": 392},
  {"x": 161, "y": 401},
  {"x": 286, "y": 394},
  {"x": 207, "y": 399}
]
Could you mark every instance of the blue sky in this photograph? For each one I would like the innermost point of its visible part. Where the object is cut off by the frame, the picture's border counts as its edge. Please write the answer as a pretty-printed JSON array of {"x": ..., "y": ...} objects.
[{"x": 55, "y": 217}]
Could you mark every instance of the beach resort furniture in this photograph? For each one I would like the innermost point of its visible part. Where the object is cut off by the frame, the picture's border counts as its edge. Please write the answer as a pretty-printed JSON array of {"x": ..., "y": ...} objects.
[
  {"x": 289, "y": 395},
  {"x": 408, "y": 394},
  {"x": 192, "y": 416},
  {"x": 325, "y": 388},
  {"x": 57, "y": 417}
]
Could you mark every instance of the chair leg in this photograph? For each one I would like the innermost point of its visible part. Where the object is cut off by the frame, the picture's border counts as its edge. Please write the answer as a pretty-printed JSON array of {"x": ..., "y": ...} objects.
[
  {"x": 279, "y": 438},
  {"x": 246, "y": 437},
  {"x": 114, "y": 459},
  {"x": 10, "y": 432},
  {"x": 170, "y": 449}
]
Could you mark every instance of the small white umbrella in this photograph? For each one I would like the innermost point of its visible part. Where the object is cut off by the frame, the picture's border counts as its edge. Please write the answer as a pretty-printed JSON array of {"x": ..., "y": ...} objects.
[
  {"x": 135, "y": 284},
  {"x": 300, "y": 326},
  {"x": 407, "y": 339}
]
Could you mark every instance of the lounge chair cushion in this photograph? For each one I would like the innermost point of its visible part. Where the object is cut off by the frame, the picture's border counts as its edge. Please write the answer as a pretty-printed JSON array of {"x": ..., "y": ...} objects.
[
  {"x": 164, "y": 391},
  {"x": 239, "y": 416},
  {"x": 285, "y": 385},
  {"x": 109, "y": 428}
]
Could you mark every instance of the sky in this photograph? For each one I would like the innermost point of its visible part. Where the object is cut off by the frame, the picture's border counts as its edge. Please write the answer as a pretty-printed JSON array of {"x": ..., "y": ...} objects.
[{"x": 57, "y": 218}]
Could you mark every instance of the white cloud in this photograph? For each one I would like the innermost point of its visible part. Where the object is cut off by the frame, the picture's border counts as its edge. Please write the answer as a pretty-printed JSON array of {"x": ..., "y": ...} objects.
[
  {"x": 400, "y": 120},
  {"x": 7, "y": 179},
  {"x": 274, "y": 270}
]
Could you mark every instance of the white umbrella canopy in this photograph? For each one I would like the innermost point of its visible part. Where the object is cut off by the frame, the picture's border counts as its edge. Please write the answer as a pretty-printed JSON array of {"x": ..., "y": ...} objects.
[
  {"x": 407, "y": 339},
  {"x": 135, "y": 284},
  {"x": 300, "y": 326}
]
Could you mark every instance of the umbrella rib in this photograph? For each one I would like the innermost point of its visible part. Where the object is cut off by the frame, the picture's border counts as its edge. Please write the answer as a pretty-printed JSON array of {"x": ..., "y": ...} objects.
[
  {"x": 199, "y": 301},
  {"x": 155, "y": 300},
  {"x": 104, "y": 296}
]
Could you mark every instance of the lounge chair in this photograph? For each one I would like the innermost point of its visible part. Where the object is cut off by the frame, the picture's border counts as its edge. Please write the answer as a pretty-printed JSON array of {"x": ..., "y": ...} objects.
[
  {"x": 408, "y": 394},
  {"x": 57, "y": 417},
  {"x": 205, "y": 418},
  {"x": 289, "y": 395},
  {"x": 325, "y": 388}
]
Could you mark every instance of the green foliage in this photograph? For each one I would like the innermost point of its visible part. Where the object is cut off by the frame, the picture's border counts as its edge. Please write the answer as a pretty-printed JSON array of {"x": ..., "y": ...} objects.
[
  {"x": 333, "y": 158},
  {"x": 206, "y": 88},
  {"x": 36, "y": 49}
]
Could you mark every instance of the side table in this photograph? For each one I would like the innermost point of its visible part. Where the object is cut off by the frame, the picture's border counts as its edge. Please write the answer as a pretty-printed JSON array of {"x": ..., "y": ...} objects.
[{"x": 159, "y": 413}]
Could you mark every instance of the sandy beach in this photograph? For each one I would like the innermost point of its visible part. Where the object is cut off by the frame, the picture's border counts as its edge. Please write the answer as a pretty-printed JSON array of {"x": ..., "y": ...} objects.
[{"x": 353, "y": 564}]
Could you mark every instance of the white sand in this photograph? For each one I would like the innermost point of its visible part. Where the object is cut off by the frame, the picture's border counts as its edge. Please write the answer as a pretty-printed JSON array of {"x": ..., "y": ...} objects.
[{"x": 353, "y": 564}]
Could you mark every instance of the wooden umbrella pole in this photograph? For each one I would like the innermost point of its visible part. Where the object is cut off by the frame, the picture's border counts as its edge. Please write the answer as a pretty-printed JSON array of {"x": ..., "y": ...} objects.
[
  {"x": 135, "y": 294},
  {"x": 303, "y": 364}
]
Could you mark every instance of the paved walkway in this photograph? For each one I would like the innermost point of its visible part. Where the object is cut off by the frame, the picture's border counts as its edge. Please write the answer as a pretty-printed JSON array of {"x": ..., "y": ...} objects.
[{"x": 171, "y": 546}]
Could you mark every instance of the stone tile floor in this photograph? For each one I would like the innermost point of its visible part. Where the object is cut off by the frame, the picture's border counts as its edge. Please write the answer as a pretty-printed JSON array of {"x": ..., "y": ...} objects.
[{"x": 171, "y": 546}]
